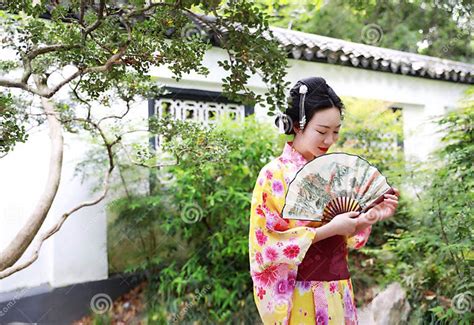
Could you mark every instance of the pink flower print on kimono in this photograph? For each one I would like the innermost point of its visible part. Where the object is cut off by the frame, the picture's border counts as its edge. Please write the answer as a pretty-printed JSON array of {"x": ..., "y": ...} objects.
[
  {"x": 291, "y": 251},
  {"x": 259, "y": 258},
  {"x": 268, "y": 174},
  {"x": 333, "y": 287},
  {"x": 284, "y": 287},
  {"x": 267, "y": 277},
  {"x": 276, "y": 246},
  {"x": 271, "y": 254},
  {"x": 359, "y": 239},
  {"x": 277, "y": 188},
  {"x": 349, "y": 308},
  {"x": 261, "y": 238}
]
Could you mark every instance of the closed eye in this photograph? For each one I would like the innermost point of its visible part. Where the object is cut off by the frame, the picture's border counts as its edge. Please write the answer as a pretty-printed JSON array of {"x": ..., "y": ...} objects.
[{"x": 336, "y": 132}]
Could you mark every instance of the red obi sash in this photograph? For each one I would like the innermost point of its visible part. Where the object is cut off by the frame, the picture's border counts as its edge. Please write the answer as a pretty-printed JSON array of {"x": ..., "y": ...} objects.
[{"x": 325, "y": 260}]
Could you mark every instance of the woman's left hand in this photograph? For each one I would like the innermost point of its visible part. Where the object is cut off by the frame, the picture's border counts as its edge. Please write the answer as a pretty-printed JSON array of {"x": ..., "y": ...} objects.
[{"x": 383, "y": 210}]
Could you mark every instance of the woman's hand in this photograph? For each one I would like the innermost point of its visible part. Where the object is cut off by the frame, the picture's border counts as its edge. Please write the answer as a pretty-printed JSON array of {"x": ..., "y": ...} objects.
[
  {"x": 344, "y": 224},
  {"x": 381, "y": 211}
]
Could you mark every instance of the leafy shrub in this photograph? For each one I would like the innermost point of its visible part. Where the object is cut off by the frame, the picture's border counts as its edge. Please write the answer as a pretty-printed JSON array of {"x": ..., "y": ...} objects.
[
  {"x": 190, "y": 235},
  {"x": 433, "y": 256}
]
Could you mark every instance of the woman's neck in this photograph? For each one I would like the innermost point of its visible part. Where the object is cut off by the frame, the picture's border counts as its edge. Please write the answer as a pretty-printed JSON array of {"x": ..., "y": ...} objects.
[{"x": 298, "y": 147}]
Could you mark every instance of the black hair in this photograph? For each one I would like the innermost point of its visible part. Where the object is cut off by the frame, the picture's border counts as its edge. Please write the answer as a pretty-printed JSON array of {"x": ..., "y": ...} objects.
[{"x": 319, "y": 96}]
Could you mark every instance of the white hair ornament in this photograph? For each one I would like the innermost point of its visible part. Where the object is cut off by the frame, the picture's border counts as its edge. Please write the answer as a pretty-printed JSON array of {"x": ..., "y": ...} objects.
[{"x": 303, "y": 91}]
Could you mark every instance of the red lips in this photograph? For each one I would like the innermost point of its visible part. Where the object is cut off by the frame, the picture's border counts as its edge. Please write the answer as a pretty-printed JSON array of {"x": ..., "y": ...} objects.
[{"x": 323, "y": 149}]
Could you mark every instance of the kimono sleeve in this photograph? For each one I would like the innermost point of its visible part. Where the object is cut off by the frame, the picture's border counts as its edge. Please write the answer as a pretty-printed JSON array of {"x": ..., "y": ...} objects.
[
  {"x": 359, "y": 239},
  {"x": 273, "y": 241}
]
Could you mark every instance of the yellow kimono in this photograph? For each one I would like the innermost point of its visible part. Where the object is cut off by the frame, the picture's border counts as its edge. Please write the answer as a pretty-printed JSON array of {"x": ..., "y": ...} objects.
[{"x": 276, "y": 248}]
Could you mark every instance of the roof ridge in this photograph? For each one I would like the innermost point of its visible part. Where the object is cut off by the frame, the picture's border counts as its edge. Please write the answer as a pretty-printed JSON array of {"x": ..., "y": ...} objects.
[
  {"x": 368, "y": 46},
  {"x": 319, "y": 48}
]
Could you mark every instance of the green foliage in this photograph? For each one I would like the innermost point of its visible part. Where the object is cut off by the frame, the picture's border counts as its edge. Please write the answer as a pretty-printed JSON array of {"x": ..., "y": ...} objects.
[
  {"x": 433, "y": 255},
  {"x": 375, "y": 131},
  {"x": 101, "y": 319},
  {"x": 107, "y": 50},
  {"x": 190, "y": 143},
  {"x": 196, "y": 257},
  {"x": 435, "y": 28},
  {"x": 12, "y": 129},
  {"x": 200, "y": 268},
  {"x": 203, "y": 233},
  {"x": 250, "y": 56},
  {"x": 142, "y": 213},
  {"x": 162, "y": 33}
]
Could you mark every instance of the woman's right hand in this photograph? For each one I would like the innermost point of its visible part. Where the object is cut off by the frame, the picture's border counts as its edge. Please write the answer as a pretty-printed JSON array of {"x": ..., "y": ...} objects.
[{"x": 344, "y": 224}]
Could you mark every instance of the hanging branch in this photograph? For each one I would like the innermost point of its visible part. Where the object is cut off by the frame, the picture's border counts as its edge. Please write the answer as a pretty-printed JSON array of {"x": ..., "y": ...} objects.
[{"x": 57, "y": 226}]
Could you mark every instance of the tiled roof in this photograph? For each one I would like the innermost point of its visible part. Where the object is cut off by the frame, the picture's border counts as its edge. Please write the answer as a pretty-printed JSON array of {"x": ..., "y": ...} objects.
[{"x": 312, "y": 47}]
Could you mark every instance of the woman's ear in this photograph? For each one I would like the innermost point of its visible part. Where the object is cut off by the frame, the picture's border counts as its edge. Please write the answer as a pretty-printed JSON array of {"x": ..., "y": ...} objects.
[{"x": 296, "y": 128}]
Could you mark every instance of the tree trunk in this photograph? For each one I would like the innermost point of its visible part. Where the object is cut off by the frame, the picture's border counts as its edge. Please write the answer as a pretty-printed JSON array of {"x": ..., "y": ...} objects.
[{"x": 12, "y": 253}]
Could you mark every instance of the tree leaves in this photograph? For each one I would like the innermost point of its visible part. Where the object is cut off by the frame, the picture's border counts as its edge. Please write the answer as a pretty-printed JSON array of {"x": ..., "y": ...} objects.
[{"x": 12, "y": 128}]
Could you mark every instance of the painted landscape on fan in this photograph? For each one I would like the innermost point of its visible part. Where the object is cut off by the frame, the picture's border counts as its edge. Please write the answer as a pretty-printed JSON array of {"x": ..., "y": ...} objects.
[{"x": 332, "y": 184}]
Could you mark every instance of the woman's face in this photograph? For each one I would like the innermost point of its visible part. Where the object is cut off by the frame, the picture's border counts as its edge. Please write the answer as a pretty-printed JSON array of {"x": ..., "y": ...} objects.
[{"x": 319, "y": 134}]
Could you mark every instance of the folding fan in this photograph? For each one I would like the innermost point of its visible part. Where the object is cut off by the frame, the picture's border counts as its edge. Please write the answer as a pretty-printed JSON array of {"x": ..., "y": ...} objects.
[{"x": 332, "y": 184}]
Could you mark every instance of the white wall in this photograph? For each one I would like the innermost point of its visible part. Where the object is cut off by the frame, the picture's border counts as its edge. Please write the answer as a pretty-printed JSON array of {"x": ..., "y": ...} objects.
[
  {"x": 78, "y": 252},
  {"x": 421, "y": 98},
  {"x": 77, "y": 249}
]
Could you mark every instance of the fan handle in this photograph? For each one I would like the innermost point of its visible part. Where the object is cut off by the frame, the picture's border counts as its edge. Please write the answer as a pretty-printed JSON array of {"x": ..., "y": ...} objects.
[{"x": 378, "y": 201}]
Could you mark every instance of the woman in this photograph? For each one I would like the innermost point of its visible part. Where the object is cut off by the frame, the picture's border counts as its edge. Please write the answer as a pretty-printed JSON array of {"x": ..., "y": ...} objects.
[{"x": 299, "y": 269}]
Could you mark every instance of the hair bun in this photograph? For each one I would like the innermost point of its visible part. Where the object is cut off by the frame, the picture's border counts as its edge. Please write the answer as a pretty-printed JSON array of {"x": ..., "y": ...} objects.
[
  {"x": 316, "y": 86},
  {"x": 319, "y": 94},
  {"x": 334, "y": 98}
]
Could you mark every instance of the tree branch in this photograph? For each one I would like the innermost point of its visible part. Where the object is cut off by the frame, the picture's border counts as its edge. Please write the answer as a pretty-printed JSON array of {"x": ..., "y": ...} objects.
[
  {"x": 96, "y": 24},
  {"x": 138, "y": 163},
  {"x": 81, "y": 11},
  {"x": 56, "y": 227},
  {"x": 50, "y": 48},
  {"x": 80, "y": 72},
  {"x": 39, "y": 51},
  {"x": 49, "y": 92},
  {"x": 116, "y": 116}
]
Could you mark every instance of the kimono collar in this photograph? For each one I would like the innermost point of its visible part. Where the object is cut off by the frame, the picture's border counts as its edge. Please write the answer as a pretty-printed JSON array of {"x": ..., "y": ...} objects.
[{"x": 291, "y": 155}]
